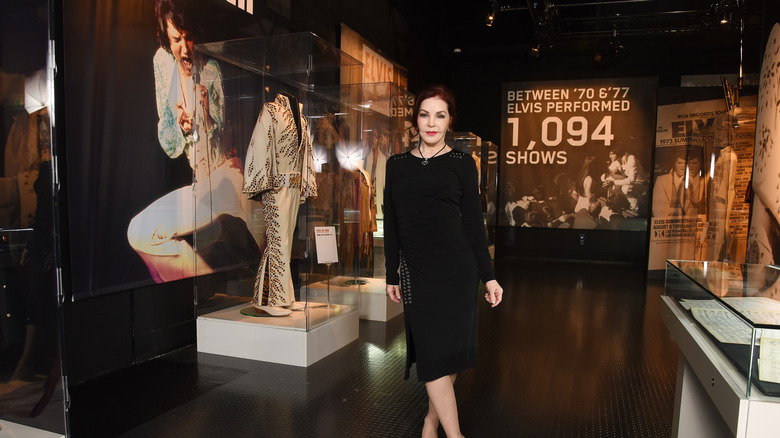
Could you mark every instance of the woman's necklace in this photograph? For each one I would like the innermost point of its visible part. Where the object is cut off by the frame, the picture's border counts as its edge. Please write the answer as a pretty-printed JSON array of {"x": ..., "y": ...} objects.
[{"x": 425, "y": 160}]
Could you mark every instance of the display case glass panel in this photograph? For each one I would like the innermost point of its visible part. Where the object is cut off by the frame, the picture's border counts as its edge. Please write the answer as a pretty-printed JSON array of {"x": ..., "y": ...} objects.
[
  {"x": 268, "y": 172},
  {"x": 738, "y": 307},
  {"x": 729, "y": 159},
  {"x": 32, "y": 394},
  {"x": 380, "y": 113},
  {"x": 489, "y": 187}
]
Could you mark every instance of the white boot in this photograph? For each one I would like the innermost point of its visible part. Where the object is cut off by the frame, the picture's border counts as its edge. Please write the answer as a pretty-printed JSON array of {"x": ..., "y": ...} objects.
[
  {"x": 274, "y": 311},
  {"x": 295, "y": 305}
]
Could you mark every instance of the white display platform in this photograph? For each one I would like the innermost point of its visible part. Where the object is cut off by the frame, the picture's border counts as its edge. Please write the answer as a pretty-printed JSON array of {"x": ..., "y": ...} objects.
[
  {"x": 282, "y": 339},
  {"x": 14, "y": 430},
  {"x": 370, "y": 298},
  {"x": 710, "y": 399}
]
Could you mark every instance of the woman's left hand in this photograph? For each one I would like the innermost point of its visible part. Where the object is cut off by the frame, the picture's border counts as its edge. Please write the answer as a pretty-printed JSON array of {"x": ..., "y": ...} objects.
[{"x": 494, "y": 293}]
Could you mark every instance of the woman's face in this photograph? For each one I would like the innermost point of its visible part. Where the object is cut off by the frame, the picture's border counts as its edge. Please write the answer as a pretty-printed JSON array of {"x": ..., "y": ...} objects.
[
  {"x": 433, "y": 121},
  {"x": 182, "y": 47}
]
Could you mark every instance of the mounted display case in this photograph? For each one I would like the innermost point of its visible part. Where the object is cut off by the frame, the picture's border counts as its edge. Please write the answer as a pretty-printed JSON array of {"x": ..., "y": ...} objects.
[
  {"x": 738, "y": 306},
  {"x": 33, "y": 399},
  {"x": 278, "y": 168},
  {"x": 725, "y": 317}
]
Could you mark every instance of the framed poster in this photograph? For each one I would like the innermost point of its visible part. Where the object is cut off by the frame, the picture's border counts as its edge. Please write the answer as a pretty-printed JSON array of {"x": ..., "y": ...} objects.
[{"x": 576, "y": 154}]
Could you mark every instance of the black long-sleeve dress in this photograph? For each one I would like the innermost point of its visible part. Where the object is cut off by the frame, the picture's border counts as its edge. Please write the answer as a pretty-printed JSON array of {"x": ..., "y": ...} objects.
[{"x": 435, "y": 234}]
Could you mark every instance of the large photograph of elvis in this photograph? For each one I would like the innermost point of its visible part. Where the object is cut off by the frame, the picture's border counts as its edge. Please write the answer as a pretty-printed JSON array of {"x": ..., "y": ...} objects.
[
  {"x": 679, "y": 204},
  {"x": 597, "y": 184},
  {"x": 680, "y": 187},
  {"x": 155, "y": 143},
  {"x": 191, "y": 122}
]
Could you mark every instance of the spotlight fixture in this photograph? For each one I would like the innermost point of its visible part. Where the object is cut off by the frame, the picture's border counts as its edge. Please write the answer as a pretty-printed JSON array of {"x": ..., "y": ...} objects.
[
  {"x": 722, "y": 10},
  {"x": 491, "y": 13},
  {"x": 535, "y": 51},
  {"x": 545, "y": 17},
  {"x": 612, "y": 52}
]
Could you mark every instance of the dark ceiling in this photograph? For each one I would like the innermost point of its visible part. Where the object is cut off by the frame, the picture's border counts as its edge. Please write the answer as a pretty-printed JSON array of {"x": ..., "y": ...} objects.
[
  {"x": 613, "y": 28},
  {"x": 665, "y": 39}
]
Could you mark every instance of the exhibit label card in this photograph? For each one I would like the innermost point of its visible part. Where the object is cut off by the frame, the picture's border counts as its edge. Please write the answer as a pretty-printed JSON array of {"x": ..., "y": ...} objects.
[{"x": 325, "y": 240}]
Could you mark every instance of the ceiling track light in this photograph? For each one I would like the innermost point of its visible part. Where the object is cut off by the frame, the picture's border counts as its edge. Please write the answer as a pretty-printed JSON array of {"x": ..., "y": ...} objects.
[
  {"x": 612, "y": 52},
  {"x": 723, "y": 10},
  {"x": 492, "y": 13}
]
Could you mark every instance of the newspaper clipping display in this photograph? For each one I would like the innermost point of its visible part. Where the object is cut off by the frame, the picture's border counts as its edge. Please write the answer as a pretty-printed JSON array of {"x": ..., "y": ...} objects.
[{"x": 703, "y": 160}]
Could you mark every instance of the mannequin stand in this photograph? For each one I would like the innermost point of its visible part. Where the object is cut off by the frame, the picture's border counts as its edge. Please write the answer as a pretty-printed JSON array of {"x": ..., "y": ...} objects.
[{"x": 355, "y": 282}]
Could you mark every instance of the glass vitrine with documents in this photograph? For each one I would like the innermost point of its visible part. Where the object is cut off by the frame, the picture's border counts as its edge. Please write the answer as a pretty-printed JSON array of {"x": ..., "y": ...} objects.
[{"x": 737, "y": 307}]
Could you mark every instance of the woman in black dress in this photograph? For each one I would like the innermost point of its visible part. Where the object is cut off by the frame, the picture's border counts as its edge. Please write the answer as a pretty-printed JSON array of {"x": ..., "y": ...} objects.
[{"x": 436, "y": 254}]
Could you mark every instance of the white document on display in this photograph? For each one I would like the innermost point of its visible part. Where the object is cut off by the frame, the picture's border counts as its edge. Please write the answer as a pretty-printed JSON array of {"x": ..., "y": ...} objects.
[
  {"x": 730, "y": 329},
  {"x": 759, "y": 310},
  {"x": 769, "y": 360},
  {"x": 325, "y": 240},
  {"x": 763, "y": 317},
  {"x": 763, "y": 304},
  {"x": 724, "y": 325},
  {"x": 701, "y": 304}
]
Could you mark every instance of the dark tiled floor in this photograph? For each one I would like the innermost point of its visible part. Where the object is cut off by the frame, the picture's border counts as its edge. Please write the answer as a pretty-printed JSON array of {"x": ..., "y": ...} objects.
[{"x": 575, "y": 350}]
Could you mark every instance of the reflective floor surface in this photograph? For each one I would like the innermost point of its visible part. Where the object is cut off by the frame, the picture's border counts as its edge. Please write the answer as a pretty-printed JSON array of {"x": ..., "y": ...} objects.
[{"x": 575, "y": 350}]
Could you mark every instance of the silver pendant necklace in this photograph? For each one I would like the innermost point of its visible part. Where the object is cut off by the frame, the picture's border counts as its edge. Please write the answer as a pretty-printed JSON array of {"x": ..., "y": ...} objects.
[{"x": 425, "y": 160}]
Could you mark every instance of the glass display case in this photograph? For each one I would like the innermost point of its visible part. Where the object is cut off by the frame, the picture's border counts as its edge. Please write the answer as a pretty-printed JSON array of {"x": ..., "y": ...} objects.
[
  {"x": 276, "y": 160},
  {"x": 725, "y": 319},
  {"x": 737, "y": 306},
  {"x": 485, "y": 155},
  {"x": 32, "y": 394},
  {"x": 489, "y": 187},
  {"x": 730, "y": 158},
  {"x": 381, "y": 113},
  {"x": 465, "y": 142}
]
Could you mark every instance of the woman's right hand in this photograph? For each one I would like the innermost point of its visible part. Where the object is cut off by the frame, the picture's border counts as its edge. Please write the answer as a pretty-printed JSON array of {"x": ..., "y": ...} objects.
[
  {"x": 494, "y": 294},
  {"x": 394, "y": 292}
]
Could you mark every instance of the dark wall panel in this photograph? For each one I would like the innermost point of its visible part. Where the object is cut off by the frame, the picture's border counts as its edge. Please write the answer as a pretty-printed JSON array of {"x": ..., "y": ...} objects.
[
  {"x": 163, "y": 319},
  {"x": 98, "y": 336},
  {"x": 586, "y": 245}
]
